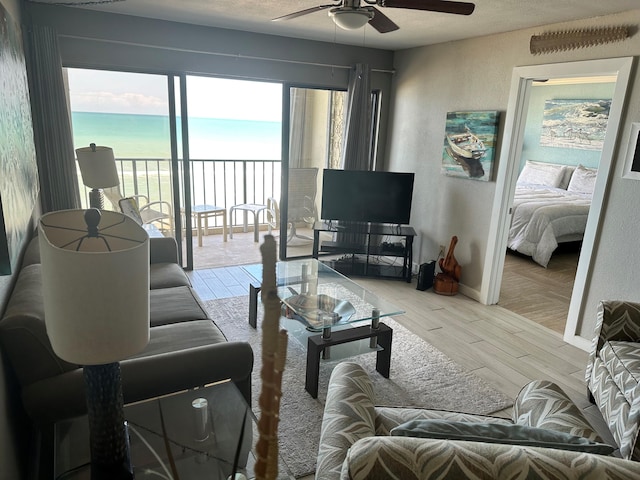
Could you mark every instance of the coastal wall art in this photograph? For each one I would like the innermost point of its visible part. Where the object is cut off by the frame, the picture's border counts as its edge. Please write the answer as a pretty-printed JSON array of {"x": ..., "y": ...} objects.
[
  {"x": 579, "y": 124},
  {"x": 18, "y": 169},
  {"x": 469, "y": 144}
]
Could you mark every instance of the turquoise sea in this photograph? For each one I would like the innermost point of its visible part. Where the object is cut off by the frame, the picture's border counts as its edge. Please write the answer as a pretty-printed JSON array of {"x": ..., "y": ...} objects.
[{"x": 147, "y": 136}]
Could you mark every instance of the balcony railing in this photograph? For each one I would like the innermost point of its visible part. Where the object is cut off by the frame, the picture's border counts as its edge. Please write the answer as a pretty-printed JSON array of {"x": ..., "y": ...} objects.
[{"x": 223, "y": 183}]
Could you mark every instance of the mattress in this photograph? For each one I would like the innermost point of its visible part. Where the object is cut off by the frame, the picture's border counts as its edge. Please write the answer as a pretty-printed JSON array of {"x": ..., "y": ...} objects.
[{"x": 542, "y": 217}]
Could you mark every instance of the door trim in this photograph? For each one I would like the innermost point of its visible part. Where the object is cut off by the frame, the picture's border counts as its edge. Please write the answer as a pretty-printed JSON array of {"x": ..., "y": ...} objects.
[{"x": 510, "y": 153}]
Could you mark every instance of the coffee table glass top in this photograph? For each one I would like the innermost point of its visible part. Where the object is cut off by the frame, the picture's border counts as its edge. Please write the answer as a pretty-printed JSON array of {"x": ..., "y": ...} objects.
[{"x": 320, "y": 297}]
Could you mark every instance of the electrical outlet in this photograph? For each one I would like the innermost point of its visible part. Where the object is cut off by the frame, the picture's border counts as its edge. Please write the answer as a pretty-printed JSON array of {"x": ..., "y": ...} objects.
[{"x": 442, "y": 250}]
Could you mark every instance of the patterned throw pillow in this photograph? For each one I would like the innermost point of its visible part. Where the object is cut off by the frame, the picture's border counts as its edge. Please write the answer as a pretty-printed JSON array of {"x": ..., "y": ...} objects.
[
  {"x": 499, "y": 433},
  {"x": 129, "y": 207}
]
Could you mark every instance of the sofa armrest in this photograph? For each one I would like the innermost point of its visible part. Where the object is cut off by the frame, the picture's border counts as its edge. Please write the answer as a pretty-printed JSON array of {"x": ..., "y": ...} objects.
[
  {"x": 349, "y": 415},
  {"x": 410, "y": 458},
  {"x": 62, "y": 396},
  {"x": 616, "y": 320},
  {"x": 163, "y": 250}
]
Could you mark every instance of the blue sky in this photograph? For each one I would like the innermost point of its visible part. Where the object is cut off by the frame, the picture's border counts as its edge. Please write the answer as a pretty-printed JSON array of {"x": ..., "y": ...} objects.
[{"x": 121, "y": 92}]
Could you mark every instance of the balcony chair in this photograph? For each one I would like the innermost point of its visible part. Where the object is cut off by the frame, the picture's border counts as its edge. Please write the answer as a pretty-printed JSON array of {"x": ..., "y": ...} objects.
[
  {"x": 158, "y": 213},
  {"x": 303, "y": 188}
]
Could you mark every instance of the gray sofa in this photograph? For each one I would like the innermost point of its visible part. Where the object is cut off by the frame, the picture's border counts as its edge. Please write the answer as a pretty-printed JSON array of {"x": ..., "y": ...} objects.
[
  {"x": 613, "y": 372},
  {"x": 356, "y": 440},
  {"x": 186, "y": 347}
]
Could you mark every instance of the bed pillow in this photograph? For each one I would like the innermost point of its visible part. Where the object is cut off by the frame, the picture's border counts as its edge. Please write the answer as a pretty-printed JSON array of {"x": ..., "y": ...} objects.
[
  {"x": 499, "y": 433},
  {"x": 583, "y": 180},
  {"x": 540, "y": 173},
  {"x": 566, "y": 178}
]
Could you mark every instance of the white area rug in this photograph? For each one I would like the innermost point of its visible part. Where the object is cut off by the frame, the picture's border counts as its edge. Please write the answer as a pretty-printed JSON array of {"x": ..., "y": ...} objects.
[{"x": 421, "y": 376}]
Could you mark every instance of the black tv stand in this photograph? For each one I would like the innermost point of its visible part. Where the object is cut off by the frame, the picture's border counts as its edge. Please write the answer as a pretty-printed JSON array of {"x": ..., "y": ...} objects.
[{"x": 358, "y": 255}]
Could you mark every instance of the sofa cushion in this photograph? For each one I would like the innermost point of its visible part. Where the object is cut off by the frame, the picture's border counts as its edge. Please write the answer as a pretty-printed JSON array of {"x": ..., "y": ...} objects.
[
  {"x": 165, "y": 275},
  {"x": 173, "y": 305},
  {"x": 622, "y": 360},
  {"x": 407, "y": 458},
  {"x": 181, "y": 336},
  {"x": 499, "y": 433}
]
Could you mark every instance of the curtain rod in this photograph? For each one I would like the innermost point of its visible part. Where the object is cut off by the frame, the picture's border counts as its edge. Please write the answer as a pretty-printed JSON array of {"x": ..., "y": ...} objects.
[{"x": 230, "y": 55}]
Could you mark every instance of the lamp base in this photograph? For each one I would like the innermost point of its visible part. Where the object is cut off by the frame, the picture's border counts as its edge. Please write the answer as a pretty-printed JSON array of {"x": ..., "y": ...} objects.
[
  {"x": 96, "y": 199},
  {"x": 108, "y": 436}
]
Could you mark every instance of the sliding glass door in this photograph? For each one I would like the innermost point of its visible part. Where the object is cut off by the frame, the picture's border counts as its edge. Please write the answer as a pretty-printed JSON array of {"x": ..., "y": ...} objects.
[
  {"x": 128, "y": 112},
  {"x": 193, "y": 146},
  {"x": 316, "y": 122}
]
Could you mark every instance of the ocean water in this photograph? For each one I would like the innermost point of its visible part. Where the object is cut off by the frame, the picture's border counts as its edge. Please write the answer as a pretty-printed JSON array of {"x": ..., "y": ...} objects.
[{"x": 147, "y": 136}]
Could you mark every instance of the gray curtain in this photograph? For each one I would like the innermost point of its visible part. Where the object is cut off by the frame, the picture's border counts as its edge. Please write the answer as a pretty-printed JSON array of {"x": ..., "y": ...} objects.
[
  {"x": 356, "y": 152},
  {"x": 297, "y": 126},
  {"x": 51, "y": 124}
]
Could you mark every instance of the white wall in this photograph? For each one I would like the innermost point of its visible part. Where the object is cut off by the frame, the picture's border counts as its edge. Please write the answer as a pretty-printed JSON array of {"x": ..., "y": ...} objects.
[{"x": 475, "y": 75}]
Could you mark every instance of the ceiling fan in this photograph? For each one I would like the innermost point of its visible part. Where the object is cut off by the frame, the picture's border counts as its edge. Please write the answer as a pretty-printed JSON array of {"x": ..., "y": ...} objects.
[{"x": 351, "y": 14}]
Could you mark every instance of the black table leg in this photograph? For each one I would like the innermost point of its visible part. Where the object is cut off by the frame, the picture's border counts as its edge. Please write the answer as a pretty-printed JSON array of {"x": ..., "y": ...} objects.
[
  {"x": 316, "y": 344},
  {"x": 253, "y": 304}
]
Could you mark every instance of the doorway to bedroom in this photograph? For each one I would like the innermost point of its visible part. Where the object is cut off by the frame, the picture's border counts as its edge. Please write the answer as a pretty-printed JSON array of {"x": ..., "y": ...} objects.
[
  {"x": 564, "y": 131},
  {"x": 509, "y": 170}
]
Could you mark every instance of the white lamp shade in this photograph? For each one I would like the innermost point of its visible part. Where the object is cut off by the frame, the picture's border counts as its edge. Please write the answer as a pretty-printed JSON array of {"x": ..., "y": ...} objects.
[
  {"x": 96, "y": 301},
  {"x": 350, "y": 18},
  {"x": 98, "y": 167}
]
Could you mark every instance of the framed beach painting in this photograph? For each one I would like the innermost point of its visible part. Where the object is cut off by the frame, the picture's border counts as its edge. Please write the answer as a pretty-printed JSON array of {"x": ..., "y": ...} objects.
[
  {"x": 469, "y": 144},
  {"x": 579, "y": 124},
  {"x": 18, "y": 169}
]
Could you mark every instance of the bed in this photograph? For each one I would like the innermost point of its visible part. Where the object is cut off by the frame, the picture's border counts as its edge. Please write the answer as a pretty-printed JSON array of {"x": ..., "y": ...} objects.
[{"x": 550, "y": 206}]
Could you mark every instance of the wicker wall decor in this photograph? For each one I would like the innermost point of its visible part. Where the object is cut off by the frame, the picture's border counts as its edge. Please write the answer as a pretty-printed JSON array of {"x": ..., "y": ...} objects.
[{"x": 572, "y": 39}]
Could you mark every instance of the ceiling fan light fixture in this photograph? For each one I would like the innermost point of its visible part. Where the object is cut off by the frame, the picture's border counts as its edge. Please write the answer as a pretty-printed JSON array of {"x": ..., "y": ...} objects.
[{"x": 350, "y": 18}]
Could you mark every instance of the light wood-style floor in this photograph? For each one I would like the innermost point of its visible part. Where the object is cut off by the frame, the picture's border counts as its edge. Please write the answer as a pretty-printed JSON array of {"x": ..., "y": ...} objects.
[
  {"x": 504, "y": 348},
  {"x": 540, "y": 294}
]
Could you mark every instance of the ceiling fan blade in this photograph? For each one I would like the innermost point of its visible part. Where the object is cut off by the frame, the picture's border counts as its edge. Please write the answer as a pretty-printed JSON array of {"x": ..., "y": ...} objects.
[
  {"x": 381, "y": 22},
  {"x": 304, "y": 12},
  {"x": 444, "y": 6}
]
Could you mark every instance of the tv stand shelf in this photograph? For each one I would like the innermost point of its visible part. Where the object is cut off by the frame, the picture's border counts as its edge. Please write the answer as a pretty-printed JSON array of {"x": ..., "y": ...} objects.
[{"x": 360, "y": 262}]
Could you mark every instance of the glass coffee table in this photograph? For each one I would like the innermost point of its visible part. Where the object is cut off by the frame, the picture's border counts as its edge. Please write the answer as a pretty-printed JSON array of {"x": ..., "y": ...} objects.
[
  {"x": 211, "y": 432},
  {"x": 325, "y": 301}
]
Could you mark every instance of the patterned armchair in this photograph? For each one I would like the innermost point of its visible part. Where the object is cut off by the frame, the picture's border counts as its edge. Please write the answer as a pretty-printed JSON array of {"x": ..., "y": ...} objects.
[
  {"x": 613, "y": 372},
  {"x": 355, "y": 441}
]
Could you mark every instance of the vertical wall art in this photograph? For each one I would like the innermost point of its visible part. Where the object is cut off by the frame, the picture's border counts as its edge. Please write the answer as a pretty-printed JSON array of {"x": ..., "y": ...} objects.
[
  {"x": 469, "y": 144},
  {"x": 18, "y": 169},
  {"x": 578, "y": 124}
]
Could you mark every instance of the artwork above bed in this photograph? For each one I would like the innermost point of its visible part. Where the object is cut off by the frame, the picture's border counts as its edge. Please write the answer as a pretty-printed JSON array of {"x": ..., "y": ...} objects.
[{"x": 550, "y": 206}]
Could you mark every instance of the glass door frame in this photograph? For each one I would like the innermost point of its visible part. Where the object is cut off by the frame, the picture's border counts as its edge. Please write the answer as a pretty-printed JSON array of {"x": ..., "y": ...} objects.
[
  {"x": 176, "y": 163},
  {"x": 376, "y": 101}
]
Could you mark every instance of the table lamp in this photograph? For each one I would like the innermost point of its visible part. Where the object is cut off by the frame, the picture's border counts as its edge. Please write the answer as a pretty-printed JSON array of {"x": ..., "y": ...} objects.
[
  {"x": 98, "y": 169},
  {"x": 95, "y": 275}
]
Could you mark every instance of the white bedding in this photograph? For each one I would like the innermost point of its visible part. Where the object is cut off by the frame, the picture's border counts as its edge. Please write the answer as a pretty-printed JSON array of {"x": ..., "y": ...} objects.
[{"x": 543, "y": 215}]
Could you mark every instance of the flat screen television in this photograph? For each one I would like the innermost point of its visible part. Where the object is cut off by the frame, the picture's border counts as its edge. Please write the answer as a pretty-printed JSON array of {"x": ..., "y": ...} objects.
[{"x": 363, "y": 196}]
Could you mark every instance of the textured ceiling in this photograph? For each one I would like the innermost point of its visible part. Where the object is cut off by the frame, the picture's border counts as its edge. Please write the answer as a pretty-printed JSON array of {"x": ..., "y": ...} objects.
[{"x": 417, "y": 28}]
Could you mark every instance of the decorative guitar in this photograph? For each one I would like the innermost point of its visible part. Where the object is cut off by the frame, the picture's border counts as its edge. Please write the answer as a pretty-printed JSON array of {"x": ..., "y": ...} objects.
[{"x": 446, "y": 283}]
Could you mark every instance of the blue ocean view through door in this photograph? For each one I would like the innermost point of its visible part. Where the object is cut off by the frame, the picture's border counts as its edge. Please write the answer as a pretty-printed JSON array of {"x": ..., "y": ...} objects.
[
  {"x": 147, "y": 136},
  {"x": 234, "y": 133}
]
